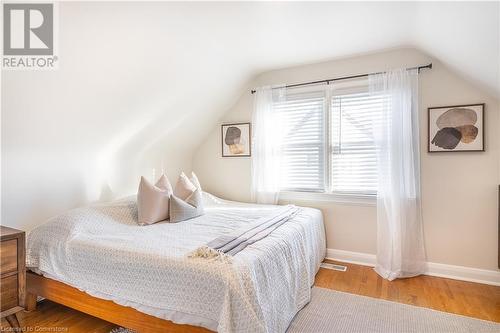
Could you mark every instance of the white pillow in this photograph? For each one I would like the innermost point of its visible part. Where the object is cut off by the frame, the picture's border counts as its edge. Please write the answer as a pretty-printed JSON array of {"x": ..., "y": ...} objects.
[
  {"x": 153, "y": 201},
  {"x": 195, "y": 181},
  {"x": 181, "y": 210},
  {"x": 184, "y": 188}
]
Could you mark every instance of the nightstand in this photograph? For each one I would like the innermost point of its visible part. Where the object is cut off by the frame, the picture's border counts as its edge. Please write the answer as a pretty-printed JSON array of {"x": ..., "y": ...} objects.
[{"x": 13, "y": 273}]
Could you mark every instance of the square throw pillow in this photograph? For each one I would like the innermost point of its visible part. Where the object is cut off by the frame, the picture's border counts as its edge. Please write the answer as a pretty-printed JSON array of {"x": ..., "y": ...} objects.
[
  {"x": 184, "y": 188},
  {"x": 153, "y": 201},
  {"x": 194, "y": 180},
  {"x": 181, "y": 210}
]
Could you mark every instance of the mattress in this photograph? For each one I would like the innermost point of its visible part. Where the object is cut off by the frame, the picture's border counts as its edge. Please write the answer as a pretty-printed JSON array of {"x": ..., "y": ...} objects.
[{"x": 102, "y": 251}]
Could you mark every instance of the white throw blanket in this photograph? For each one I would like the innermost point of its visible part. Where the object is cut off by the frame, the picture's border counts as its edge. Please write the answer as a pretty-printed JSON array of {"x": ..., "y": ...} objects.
[{"x": 101, "y": 250}]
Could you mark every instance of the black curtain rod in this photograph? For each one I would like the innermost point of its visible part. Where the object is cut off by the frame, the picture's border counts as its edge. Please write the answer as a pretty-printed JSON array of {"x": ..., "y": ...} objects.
[{"x": 429, "y": 66}]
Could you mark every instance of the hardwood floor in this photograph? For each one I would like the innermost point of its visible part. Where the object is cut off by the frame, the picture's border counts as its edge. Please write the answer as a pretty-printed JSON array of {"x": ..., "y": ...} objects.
[{"x": 465, "y": 298}]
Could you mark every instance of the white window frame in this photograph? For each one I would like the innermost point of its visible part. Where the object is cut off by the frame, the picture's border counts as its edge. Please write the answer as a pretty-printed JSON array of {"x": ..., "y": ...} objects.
[{"x": 364, "y": 199}]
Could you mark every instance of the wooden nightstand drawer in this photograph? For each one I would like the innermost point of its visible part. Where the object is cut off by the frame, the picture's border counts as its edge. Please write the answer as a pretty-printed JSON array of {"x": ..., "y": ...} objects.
[
  {"x": 8, "y": 256},
  {"x": 9, "y": 294},
  {"x": 13, "y": 273}
]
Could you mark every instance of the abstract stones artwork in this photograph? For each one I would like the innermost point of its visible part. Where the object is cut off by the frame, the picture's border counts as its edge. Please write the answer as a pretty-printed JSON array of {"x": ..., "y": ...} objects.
[
  {"x": 455, "y": 125},
  {"x": 456, "y": 128}
]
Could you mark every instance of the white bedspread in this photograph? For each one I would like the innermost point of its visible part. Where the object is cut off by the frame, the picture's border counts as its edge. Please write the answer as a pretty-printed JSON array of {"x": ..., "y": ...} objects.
[{"x": 101, "y": 250}]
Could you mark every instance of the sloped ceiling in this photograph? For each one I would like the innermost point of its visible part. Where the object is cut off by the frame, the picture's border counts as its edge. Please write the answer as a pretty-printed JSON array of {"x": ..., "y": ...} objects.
[{"x": 149, "y": 80}]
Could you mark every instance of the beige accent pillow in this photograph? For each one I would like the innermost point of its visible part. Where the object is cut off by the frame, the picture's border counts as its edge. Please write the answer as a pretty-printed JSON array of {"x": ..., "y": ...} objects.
[
  {"x": 153, "y": 201},
  {"x": 195, "y": 181},
  {"x": 184, "y": 188},
  {"x": 164, "y": 184},
  {"x": 181, "y": 210}
]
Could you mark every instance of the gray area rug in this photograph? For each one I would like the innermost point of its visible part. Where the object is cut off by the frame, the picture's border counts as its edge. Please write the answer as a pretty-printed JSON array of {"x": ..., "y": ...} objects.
[{"x": 334, "y": 311}]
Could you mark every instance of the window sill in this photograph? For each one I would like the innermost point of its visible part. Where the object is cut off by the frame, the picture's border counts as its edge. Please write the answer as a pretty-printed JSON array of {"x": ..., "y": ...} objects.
[{"x": 346, "y": 199}]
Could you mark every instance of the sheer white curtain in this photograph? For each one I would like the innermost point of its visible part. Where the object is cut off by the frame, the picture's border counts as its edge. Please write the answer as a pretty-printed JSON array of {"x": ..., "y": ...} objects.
[
  {"x": 400, "y": 245},
  {"x": 266, "y": 145}
]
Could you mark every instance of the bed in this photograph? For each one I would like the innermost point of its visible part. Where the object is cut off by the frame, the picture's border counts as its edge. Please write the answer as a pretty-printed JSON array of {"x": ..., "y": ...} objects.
[{"x": 100, "y": 259}]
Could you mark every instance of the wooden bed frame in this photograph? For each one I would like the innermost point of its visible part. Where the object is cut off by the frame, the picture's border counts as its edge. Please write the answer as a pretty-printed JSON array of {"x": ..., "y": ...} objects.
[{"x": 125, "y": 316}]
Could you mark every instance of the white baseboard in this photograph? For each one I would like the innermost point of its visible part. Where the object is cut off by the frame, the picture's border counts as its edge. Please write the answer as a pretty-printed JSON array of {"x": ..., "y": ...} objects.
[
  {"x": 359, "y": 258},
  {"x": 433, "y": 269}
]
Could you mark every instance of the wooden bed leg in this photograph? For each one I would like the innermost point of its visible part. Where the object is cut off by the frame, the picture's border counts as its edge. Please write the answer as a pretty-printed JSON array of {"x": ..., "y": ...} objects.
[{"x": 31, "y": 302}]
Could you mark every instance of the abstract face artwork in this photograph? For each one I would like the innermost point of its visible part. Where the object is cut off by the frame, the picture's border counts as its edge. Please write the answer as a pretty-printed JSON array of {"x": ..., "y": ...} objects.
[
  {"x": 233, "y": 140},
  {"x": 456, "y": 128},
  {"x": 236, "y": 140}
]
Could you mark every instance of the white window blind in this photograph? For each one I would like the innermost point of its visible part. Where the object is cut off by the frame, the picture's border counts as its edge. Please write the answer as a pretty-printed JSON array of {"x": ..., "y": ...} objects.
[
  {"x": 303, "y": 152},
  {"x": 353, "y": 153},
  {"x": 328, "y": 138}
]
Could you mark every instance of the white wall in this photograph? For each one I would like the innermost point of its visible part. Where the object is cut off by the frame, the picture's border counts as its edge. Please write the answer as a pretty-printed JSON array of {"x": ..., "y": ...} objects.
[
  {"x": 459, "y": 190},
  {"x": 119, "y": 106}
]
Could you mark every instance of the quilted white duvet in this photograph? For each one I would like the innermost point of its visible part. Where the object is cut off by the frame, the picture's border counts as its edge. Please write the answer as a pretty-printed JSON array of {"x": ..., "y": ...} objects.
[{"x": 101, "y": 250}]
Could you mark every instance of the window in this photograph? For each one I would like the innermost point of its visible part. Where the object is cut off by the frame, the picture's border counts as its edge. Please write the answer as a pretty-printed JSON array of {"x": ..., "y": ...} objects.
[
  {"x": 303, "y": 123},
  {"x": 328, "y": 141}
]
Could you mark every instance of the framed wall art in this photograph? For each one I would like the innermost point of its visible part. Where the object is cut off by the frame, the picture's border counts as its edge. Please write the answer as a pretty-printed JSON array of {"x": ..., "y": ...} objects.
[
  {"x": 236, "y": 140},
  {"x": 456, "y": 128}
]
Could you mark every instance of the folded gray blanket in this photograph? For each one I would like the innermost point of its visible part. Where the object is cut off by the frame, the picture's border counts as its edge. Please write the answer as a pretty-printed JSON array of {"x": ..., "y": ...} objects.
[{"x": 235, "y": 242}]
